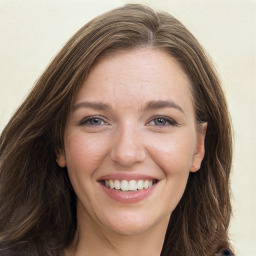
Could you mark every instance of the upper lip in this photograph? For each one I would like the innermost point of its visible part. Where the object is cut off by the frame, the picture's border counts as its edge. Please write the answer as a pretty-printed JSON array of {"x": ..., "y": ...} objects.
[{"x": 127, "y": 176}]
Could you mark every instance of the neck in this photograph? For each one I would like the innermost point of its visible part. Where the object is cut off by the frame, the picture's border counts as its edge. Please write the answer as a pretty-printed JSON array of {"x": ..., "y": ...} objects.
[{"x": 92, "y": 239}]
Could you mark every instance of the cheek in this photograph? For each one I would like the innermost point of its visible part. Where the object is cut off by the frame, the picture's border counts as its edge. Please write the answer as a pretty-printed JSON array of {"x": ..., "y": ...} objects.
[
  {"x": 173, "y": 153},
  {"x": 174, "y": 156},
  {"x": 84, "y": 153}
]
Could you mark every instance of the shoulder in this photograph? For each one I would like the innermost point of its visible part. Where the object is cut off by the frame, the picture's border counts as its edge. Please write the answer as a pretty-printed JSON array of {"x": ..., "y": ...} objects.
[{"x": 224, "y": 252}]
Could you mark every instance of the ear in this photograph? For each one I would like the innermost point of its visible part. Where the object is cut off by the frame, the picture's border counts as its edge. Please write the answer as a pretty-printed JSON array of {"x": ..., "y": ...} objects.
[
  {"x": 61, "y": 159},
  {"x": 198, "y": 155}
]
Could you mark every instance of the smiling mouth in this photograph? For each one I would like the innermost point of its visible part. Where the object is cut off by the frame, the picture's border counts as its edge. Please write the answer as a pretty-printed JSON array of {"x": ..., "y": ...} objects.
[{"x": 128, "y": 186}]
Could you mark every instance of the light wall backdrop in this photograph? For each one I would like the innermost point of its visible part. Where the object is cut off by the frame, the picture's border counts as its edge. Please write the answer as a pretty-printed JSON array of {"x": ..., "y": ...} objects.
[{"x": 32, "y": 31}]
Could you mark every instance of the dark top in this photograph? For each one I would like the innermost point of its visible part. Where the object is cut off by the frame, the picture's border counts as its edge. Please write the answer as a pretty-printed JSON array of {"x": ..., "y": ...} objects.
[{"x": 27, "y": 252}]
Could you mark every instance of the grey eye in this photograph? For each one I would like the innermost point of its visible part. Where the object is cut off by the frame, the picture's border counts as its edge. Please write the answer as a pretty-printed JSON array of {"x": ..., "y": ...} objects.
[
  {"x": 160, "y": 121},
  {"x": 93, "y": 121}
]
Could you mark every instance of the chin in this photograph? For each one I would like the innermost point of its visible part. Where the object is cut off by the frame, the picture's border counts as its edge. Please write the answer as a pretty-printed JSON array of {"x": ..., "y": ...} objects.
[
  {"x": 136, "y": 224},
  {"x": 129, "y": 230}
]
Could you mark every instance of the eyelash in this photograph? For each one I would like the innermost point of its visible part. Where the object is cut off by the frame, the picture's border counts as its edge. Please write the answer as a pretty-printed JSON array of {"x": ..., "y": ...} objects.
[
  {"x": 91, "y": 118},
  {"x": 167, "y": 121}
]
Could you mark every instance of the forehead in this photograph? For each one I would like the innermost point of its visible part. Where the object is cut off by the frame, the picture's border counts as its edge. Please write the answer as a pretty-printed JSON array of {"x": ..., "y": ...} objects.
[{"x": 135, "y": 76}]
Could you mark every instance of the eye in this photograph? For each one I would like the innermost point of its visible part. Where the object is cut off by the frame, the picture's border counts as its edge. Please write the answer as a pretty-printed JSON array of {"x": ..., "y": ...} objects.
[
  {"x": 93, "y": 121},
  {"x": 162, "y": 122}
]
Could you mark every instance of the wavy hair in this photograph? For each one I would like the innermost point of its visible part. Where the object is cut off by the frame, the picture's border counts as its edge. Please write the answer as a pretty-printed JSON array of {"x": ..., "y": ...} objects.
[{"x": 37, "y": 201}]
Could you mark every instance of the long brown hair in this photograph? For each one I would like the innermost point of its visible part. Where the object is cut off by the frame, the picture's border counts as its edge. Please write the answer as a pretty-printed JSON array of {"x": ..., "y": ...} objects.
[{"x": 37, "y": 202}]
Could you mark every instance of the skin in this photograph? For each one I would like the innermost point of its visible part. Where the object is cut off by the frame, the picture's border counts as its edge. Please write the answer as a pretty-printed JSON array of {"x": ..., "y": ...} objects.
[{"x": 133, "y": 137}]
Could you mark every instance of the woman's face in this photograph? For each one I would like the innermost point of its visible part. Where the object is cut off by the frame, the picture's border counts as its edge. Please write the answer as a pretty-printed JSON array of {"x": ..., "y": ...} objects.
[{"x": 131, "y": 141}]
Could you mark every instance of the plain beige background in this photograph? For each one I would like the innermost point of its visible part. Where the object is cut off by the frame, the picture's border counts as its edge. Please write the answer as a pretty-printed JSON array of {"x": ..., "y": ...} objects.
[{"x": 32, "y": 31}]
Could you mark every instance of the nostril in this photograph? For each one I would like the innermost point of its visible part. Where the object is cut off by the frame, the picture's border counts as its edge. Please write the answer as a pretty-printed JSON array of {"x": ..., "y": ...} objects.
[
  {"x": 127, "y": 156},
  {"x": 127, "y": 147}
]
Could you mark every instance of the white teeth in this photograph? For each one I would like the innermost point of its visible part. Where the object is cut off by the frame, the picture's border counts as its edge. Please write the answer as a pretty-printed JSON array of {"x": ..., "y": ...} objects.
[
  {"x": 124, "y": 185},
  {"x": 140, "y": 184},
  {"x": 117, "y": 184},
  {"x": 131, "y": 185},
  {"x": 111, "y": 184},
  {"x": 146, "y": 184}
]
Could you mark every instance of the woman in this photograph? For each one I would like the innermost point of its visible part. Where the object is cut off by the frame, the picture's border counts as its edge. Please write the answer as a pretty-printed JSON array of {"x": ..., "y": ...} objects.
[{"x": 122, "y": 147}]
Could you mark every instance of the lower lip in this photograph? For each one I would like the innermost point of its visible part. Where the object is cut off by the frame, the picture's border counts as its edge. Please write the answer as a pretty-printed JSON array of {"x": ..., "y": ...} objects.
[{"x": 128, "y": 197}]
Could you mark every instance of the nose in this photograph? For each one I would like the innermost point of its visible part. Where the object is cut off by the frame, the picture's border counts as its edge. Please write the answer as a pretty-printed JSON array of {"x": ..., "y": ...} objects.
[{"x": 128, "y": 147}]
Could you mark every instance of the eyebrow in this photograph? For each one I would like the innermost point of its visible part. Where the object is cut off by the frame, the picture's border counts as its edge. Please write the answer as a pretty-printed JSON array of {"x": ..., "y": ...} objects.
[
  {"x": 157, "y": 104},
  {"x": 151, "y": 105},
  {"x": 93, "y": 105}
]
